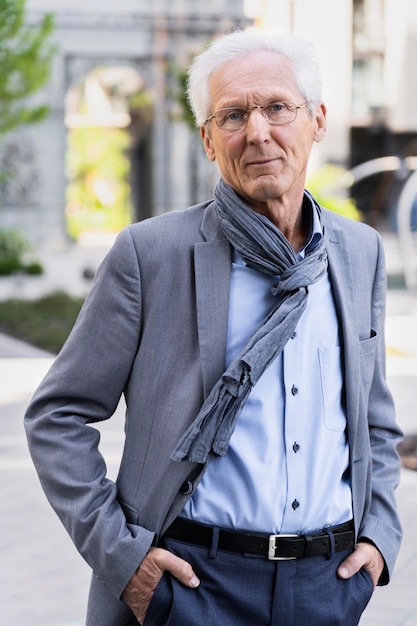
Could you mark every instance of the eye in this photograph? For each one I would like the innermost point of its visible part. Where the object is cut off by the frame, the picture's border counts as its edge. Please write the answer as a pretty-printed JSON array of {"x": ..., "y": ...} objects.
[
  {"x": 276, "y": 107},
  {"x": 234, "y": 115}
]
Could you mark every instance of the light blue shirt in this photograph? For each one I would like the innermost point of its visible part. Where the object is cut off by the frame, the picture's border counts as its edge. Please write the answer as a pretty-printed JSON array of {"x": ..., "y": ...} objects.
[{"x": 286, "y": 469}]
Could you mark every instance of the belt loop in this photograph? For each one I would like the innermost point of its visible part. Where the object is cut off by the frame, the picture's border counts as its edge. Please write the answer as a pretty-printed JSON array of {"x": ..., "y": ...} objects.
[
  {"x": 329, "y": 532},
  {"x": 214, "y": 542},
  {"x": 308, "y": 545}
]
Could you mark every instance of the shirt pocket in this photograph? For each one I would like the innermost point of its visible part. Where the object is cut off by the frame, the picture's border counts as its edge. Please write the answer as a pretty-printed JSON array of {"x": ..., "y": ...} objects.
[{"x": 331, "y": 387}]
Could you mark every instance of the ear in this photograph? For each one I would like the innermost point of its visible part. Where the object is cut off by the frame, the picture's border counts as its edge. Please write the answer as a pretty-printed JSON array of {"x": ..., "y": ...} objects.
[
  {"x": 320, "y": 118},
  {"x": 207, "y": 142}
]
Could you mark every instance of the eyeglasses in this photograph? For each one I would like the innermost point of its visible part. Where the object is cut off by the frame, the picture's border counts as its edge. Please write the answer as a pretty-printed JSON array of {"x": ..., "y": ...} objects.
[{"x": 276, "y": 114}]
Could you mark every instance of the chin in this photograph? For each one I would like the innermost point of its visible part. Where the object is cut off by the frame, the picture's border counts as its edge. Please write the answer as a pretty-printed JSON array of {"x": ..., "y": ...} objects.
[{"x": 265, "y": 192}]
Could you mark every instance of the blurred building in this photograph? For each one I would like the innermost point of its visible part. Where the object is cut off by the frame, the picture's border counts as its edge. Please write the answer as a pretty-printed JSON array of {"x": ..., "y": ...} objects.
[
  {"x": 367, "y": 50},
  {"x": 116, "y": 66},
  {"x": 124, "y": 59}
]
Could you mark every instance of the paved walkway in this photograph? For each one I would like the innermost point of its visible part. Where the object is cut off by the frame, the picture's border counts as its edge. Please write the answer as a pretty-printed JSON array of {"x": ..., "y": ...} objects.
[{"x": 44, "y": 582}]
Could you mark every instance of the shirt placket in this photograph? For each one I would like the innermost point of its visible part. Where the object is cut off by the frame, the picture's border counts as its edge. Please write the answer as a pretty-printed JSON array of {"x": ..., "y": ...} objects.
[{"x": 295, "y": 445}]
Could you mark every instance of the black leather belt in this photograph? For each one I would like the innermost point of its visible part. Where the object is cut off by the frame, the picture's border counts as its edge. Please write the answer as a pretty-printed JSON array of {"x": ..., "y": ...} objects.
[{"x": 273, "y": 547}]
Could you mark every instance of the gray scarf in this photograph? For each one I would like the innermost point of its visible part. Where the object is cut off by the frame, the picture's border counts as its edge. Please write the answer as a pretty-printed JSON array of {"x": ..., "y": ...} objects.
[{"x": 264, "y": 247}]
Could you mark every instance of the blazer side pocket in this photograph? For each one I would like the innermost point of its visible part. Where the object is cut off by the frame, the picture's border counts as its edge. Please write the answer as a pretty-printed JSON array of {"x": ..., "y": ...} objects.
[{"x": 132, "y": 516}]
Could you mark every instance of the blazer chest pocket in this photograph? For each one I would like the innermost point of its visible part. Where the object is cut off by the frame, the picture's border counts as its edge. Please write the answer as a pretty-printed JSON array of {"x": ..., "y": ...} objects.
[{"x": 367, "y": 358}]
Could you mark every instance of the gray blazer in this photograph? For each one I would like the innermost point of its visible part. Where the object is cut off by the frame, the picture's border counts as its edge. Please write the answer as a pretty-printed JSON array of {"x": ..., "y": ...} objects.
[{"x": 154, "y": 329}]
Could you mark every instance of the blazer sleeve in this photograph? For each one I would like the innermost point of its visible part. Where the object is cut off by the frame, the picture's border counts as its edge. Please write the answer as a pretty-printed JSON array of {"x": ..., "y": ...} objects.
[
  {"x": 380, "y": 524},
  {"x": 84, "y": 386}
]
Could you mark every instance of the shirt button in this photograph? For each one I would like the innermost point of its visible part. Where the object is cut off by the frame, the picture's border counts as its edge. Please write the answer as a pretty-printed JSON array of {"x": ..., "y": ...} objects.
[
  {"x": 293, "y": 335},
  {"x": 295, "y": 447},
  {"x": 295, "y": 504},
  {"x": 186, "y": 488},
  {"x": 294, "y": 390}
]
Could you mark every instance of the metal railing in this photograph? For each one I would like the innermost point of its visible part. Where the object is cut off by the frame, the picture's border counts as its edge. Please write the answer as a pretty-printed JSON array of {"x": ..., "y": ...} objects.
[{"x": 406, "y": 200}]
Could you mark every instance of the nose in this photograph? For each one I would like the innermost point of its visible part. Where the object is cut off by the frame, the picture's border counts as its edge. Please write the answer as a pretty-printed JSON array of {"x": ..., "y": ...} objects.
[{"x": 257, "y": 128}]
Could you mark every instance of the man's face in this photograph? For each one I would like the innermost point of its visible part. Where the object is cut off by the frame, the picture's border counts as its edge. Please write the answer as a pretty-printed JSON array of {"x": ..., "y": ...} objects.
[{"x": 263, "y": 163}]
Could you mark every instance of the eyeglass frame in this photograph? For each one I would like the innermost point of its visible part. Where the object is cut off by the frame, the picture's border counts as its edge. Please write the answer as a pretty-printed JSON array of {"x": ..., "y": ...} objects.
[{"x": 262, "y": 109}]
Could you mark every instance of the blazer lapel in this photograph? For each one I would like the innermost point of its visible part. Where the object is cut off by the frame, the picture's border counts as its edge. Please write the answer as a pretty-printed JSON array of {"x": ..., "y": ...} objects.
[
  {"x": 212, "y": 259},
  {"x": 340, "y": 270}
]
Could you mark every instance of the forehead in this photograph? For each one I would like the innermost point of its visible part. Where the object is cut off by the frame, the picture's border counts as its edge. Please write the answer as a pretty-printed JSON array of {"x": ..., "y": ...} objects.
[{"x": 255, "y": 77}]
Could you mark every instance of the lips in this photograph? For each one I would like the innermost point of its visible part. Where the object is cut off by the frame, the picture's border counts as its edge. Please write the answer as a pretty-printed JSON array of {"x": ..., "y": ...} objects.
[{"x": 262, "y": 162}]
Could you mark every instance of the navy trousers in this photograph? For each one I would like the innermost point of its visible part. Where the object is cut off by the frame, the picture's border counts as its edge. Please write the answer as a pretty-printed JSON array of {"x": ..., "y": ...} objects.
[{"x": 239, "y": 590}]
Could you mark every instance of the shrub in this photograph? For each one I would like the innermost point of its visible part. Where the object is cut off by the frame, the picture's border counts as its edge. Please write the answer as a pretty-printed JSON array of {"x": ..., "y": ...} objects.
[
  {"x": 14, "y": 250},
  {"x": 45, "y": 323}
]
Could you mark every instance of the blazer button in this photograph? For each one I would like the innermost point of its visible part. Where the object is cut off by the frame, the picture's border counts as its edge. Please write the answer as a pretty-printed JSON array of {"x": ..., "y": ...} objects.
[{"x": 186, "y": 488}]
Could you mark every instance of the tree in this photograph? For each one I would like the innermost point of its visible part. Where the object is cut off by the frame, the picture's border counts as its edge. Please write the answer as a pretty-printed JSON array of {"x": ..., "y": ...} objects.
[{"x": 26, "y": 54}]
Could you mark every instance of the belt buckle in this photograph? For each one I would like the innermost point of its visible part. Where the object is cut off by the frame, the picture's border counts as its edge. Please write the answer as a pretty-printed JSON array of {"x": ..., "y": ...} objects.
[{"x": 272, "y": 547}]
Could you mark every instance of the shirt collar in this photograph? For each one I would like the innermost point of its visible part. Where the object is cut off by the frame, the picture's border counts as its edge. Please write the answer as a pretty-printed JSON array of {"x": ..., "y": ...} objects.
[{"x": 312, "y": 217}]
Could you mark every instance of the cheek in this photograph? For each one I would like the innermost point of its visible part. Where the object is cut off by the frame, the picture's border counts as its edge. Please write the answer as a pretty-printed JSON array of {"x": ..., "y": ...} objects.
[
  {"x": 227, "y": 151},
  {"x": 229, "y": 144},
  {"x": 232, "y": 153}
]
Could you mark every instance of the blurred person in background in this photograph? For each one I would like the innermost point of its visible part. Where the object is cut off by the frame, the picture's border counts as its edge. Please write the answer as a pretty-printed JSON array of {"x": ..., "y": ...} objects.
[{"x": 246, "y": 334}]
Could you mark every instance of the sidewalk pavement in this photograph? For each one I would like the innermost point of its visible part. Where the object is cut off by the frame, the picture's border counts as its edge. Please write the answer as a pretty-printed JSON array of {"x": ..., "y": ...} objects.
[{"x": 43, "y": 580}]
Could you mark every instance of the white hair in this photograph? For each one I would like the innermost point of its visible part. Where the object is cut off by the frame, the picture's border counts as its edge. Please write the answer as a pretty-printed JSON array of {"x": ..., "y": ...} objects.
[{"x": 300, "y": 53}]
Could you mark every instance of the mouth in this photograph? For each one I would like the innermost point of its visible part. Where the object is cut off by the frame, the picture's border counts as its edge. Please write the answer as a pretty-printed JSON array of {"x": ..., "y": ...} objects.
[{"x": 263, "y": 162}]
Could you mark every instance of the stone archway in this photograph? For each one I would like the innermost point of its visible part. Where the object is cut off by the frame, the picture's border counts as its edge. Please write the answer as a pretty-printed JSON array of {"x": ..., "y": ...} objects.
[{"x": 109, "y": 121}]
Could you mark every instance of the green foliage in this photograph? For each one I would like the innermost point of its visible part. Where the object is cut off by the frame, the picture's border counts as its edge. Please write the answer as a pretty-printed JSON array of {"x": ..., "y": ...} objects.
[
  {"x": 33, "y": 268},
  {"x": 25, "y": 61},
  {"x": 328, "y": 186},
  {"x": 13, "y": 252},
  {"x": 98, "y": 194},
  {"x": 12, "y": 247},
  {"x": 180, "y": 75},
  {"x": 142, "y": 102},
  {"x": 45, "y": 323}
]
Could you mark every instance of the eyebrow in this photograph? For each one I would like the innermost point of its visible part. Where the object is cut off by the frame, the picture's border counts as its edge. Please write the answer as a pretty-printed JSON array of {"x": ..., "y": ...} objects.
[{"x": 257, "y": 101}]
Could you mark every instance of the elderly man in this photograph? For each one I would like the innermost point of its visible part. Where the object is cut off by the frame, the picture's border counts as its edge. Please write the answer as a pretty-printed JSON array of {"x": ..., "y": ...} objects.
[{"x": 257, "y": 480}]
